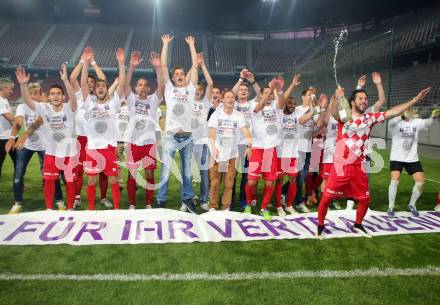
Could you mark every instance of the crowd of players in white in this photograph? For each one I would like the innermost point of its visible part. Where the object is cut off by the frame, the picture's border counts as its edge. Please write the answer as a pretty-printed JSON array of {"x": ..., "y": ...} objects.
[{"x": 88, "y": 127}]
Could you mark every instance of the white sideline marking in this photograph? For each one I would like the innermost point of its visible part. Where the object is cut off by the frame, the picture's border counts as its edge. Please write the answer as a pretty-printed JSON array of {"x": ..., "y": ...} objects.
[{"x": 373, "y": 272}]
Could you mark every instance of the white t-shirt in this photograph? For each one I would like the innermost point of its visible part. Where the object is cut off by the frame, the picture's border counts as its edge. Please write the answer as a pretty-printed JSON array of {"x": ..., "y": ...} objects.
[
  {"x": 245, "y": 109},
  {"x": 36, "y": 141},
  {"x": 330, "y": 140},
  {"x": 5, "y": 125},
  {"x": 101, "y": 127},
  {"x": 266, "y": 126},
  {"x": 405, "y": 135},
  {"x": 199, "y": 123},
  {"x": 228, "y": 129},
  {"x": 158, "y": 116},
  {"x": 143, "y": 118},
  {"x": 178, "y": 100},
  {"x": 80, "y": 121},
  {"x": 288, "y": 147},
  {"x": 60, "y": 131},
  {"x": 305, "y": 131},
  {"x": 122, "y": 120}
]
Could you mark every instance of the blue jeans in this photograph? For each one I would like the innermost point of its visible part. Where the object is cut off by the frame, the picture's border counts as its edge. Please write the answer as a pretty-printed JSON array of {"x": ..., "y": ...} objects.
[
  {"x": 172, "y": 143},
  {"x": 200, "y": 152},
  {"x": 22, "y": 160},
  {"x": 303, "y": 164}
]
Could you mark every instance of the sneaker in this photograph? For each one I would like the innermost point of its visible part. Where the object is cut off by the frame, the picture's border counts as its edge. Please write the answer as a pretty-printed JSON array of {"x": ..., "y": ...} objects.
[
  {"x": 70, "y": 210},
  {"x": 106, "y": 203},
  {"x": 196, "y": 199},
  {"x": 350, "y": 204},
  {"x": 336, "y": 205},
  {"x": 77, "y": 202},
  {"x": 437, "y": 208},
  {"x": 281, "y": 212},
  {"x": 291, "y": 210},
  {"x": 359, "y": 229},
  {"x": 309, "y": 201},
  {"x": 283, "y": 200},
  {"x": 190, "y": 206},
  {"x": 205, "y": 206},
  {"x": 161, "y": 204},
  {"x": 390, "y": 213},
  {"x": 183, "y": 207},
  {"x": 266, "y": 214},
  {"x": 212, "y": 210},
  {"x": 253, "y": 202},
  {"x": 248, "y": 209},
  {"x": 319, "y": 233},
  {"x": 148, "y": 206},
  {"x": 132, "y": 207},
  {"x": 302, "y": 208},
  {"x": 15, "y": 209},
  {"x": 60, "y": 205},
  {"x": 413, "y": 210}
]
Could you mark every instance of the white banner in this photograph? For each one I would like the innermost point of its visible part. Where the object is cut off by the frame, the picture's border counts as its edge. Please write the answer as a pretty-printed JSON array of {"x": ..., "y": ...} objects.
[{"x": 170, "y": 226}]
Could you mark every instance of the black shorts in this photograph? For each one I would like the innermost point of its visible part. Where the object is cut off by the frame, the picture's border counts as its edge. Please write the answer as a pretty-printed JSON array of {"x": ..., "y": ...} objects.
[{"x": 410, "y": 167}]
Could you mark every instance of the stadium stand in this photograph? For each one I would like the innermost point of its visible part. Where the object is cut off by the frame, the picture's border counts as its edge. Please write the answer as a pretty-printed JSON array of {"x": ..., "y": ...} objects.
[
  {"x": 226, "y": 55},
  {"x": 145, "y": 42}
]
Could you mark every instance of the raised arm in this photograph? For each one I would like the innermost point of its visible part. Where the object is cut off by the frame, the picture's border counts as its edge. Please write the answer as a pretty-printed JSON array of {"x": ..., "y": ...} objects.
[
  {"x": 377, "y": 80},
  {"x": 120, "y": 57},
  {"x": 240, "y": 80},
  {"x": 112, "y": 88},
  {"x": 296, "y": 81},
  {"x": 97, "y": 69},
  {"x": 87, "y": 58},
  {"x": 206, "y": 75},
  {"x": 324, "y": 116},
  {"x": 135, "y": 60},
  {"x": 155, "y": 62},
  {"x": 251, "y": 79},
  {"x": 361, "y": 82},
  {"x": 23, "y": 80},
  {"x": 334, "y": 107},
  {"x": 71, "y": 96},
  {"x": 192, "y": 48},
  {"x": 399, "y": 109},
  {"x": 74, "y": 75},
  {"x": 166, "y": 39},
  {"x": 278, "y": 91}
]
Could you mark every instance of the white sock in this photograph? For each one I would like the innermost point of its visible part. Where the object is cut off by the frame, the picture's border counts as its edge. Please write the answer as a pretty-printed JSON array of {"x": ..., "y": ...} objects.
[
  {"x": 350, "y": 204},
  {"x": 392, "y": 192},
  {"x": 416, "y": 192}
]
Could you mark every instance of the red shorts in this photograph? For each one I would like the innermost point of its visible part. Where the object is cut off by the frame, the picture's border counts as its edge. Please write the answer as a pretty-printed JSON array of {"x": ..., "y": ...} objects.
[
  {"x": 102, "y": 160},
  {"x": 54, "y": 165},
  {"x": 352, "y": 182},
  {"x": 141, "y": 156},
  {"x": 263, "y": 161},
  {"x": 287, "y": 166},
  {"x": 326, "y": 170}
]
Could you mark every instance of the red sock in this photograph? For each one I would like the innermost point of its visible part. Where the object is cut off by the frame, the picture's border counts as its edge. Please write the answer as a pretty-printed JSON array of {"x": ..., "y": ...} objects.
[
  {"x": 250, "y": 190},
  {"x": 91, "y": 193},
  {"x": 149, "y": 191},
  {"x": 317, "y": 183},
  {"x": 291, "y": 193},
  {"x": 438, "y": 200},
  {"x": 79, "y": 183},
  {"x": 103, "y": 185},
  {"x": 322, "y": 209},
  {"x": 267, "y": 196},
  {"x": 362, "y": 210},
  {"x": 116, "y": 194},
  {"x": 70, "y": 190},
  {"x": 309, "y": 184},
  {"x": 131, "y": 190},
  {"x": 49, "y": 193},
  {"x": 278, "y": 192}
]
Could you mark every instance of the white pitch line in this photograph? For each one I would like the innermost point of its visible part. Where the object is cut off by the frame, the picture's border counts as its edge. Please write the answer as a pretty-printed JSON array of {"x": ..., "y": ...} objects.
[{"x": 373, "y": 272}]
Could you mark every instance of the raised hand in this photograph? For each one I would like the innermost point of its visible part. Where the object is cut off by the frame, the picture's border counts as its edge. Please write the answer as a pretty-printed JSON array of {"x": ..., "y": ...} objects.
[
  {"x": 435, "y": 113},
  {"x": 279, "y": 83},
  {"x": 135, "y": 58},
  {"x": 88, "y": 55},
  {"x": 243, "y": 73},
  {"x": 339, "y": 92},
  {"x": 249, "y": 76},
  {"x": 63, "y": 73},
  {"x": 362, "y": 81},
  {"x": 200, "y": 59},
  {"x": 296, "y": 81},
  {"x": 166, "y": 38},
  {"x": 21, "y": 75},
  {"x": 422, "y": 94},
  {"x": 155, "y": 59},
  {"x": 120, "y": 55},
  {"x": 376, "y": 78},
  {"x": 189, "y": 40},
  {"x": 323, "y": 100}
]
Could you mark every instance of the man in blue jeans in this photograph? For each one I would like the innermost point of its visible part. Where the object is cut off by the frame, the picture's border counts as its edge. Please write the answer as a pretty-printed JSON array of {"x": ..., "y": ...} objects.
[
  {"x": 178, "y": 136},
  {"x": 32, "y": 142}
]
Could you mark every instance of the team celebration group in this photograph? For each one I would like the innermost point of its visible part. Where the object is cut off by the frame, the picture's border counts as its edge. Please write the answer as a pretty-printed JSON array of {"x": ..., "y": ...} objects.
[{"x": 87, "y": 126}]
